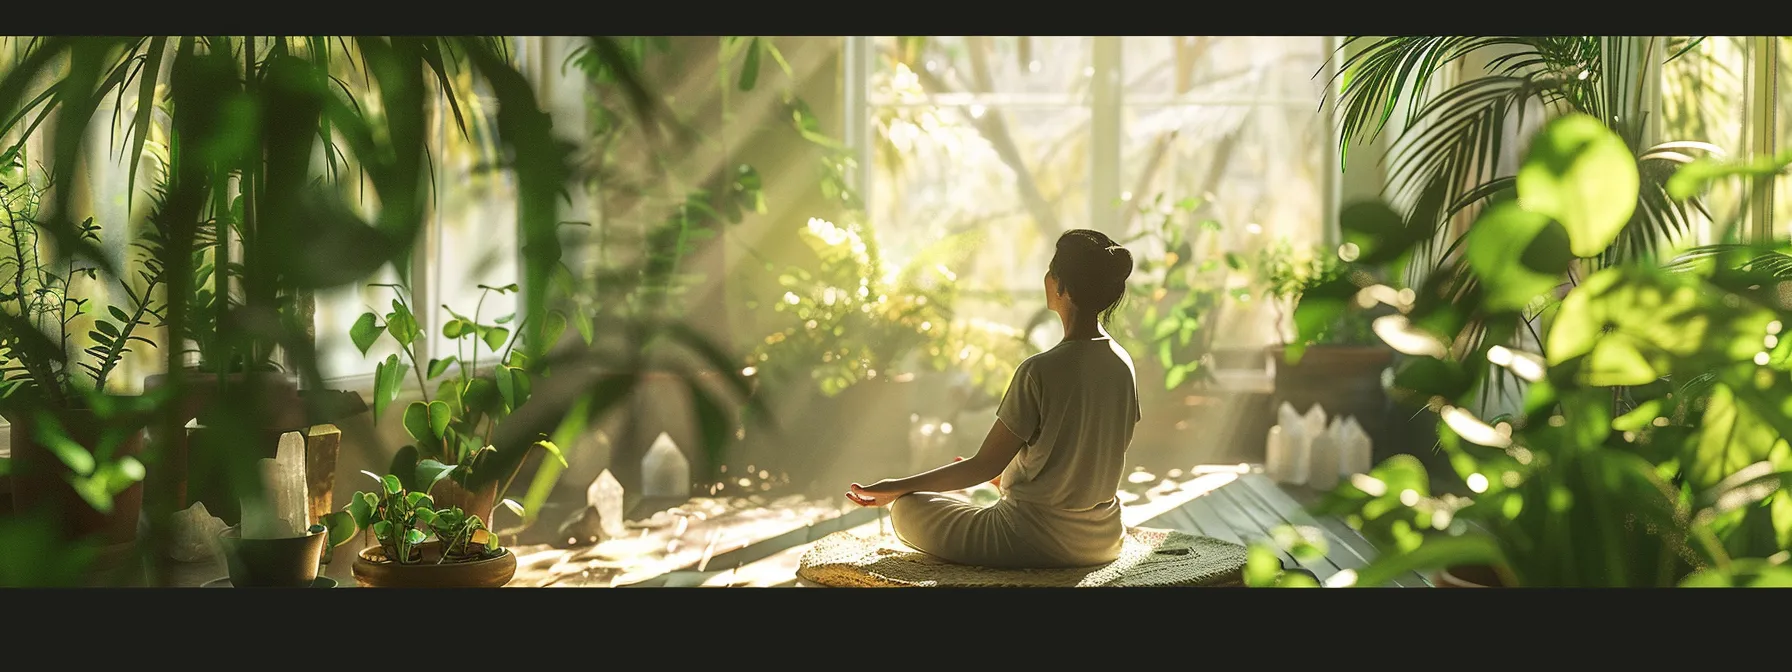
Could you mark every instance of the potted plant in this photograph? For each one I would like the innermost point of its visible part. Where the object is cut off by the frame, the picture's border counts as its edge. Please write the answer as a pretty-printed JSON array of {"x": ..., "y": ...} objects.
[
  {"x": 1334, "y": 361},
  {"x": 853, "y": 335},
  {"x": 75, "y": 443},
  {"x": 1648, "y": 451},
  {"x": 417, "y": 544},
  {"x": 455, "y": 424},
  {"x": 1174, "y": 302}
]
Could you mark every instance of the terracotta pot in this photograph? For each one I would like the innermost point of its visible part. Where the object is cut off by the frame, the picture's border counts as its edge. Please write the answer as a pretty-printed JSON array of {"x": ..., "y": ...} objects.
[
  {"x": 272, "y": 563},
  {"x": 40, "y": 482},
  {"x": 373, "y": 570},
  {"x": 1467, "y": 576}
]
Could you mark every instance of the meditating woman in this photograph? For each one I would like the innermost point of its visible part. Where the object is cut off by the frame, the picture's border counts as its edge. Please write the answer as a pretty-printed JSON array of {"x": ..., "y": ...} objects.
[{"x": 1058, "y": 445}]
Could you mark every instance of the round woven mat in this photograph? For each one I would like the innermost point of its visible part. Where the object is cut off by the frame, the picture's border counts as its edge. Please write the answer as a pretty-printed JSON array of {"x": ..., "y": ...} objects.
[{"x": 1148, "y": 558}]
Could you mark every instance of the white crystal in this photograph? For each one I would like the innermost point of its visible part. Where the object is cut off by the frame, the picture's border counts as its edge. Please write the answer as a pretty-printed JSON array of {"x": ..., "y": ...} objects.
[
  {"x": 1323, "y": 458},
  {"x": 665, "y": 471},
  {"x": 1354, "y": 448},
  {"x": 282, "y": 512},
  {"x": 1275, "y": 456},
  {"x": 1296, "y": 443},
  {"x": 196, "y": 533},
  {"x": 605, "y": 495}
]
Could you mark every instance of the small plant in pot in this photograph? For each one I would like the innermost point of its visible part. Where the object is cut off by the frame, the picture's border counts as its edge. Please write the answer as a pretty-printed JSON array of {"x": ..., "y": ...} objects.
[
  {"x": 416, "y": 544},
  {"x": 456, "y": 423}
]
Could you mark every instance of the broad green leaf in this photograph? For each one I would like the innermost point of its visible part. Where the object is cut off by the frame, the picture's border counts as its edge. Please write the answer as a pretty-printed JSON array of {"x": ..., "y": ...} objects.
[
  {"x": 414, "y": 536},
  {"x": 1379, "y": 234},
  {"x": 361, "y": 511},
  {"x": 392, "y": 484},
  {"x": 1434, "y": 553},
  {"x": 1261, "y": 567},
  {"x": 401, "y": 324},
  {"x": 1518, "y": 255},
  {"x": 417, "y": 423},
  {"x": 1731, "y": 437},
  {"x": 431, "y": 472},
  {"x": 341, "y": 527},
  {"x": 1741, "y": 574},
  {"x": 418, "y": 500},
  {"x": 437, "y": 367},
  {"x": 365, "y": 331},
  {"x": 454, "y": 328},
  {"x": 1174, "y": 377},
  {"x": 1580, "y": 173},
  {"x": 494, "y": 337},
  {"x": 1692, "y": 178},
  {"x": 383, "y": 530},
  {"x": 439, "y": 417}
]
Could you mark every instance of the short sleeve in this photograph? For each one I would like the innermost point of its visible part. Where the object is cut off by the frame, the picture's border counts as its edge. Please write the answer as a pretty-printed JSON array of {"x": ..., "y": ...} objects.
[{"x": 1020, "y": 408}]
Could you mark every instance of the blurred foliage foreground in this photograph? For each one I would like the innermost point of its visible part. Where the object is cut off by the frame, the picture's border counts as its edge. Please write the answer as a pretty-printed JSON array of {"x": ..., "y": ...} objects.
[{"x": 1649, "y": 448}]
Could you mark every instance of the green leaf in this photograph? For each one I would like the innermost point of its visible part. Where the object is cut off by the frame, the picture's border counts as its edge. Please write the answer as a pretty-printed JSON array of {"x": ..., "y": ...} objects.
[
  {"x": 1731, "y": 438},
  {"x": 1580, "y": 173},
  {"x": 360, "y": 509},
  {"x": 431, "y": 472},
  {"x": 454, "y": 328},
  {"x": 439, "y": 366},
  {"x": 1518, "y": 255},
  {"x": 1692, "y": 178},
  {"x": 417, "y": 423},
  {"x": 551, "y": 449},
  {"x": 1745, "y": 573},
  {"x": 1380, "y": 234},
  {"x": 749, "y": 72},
  {"x": 391, "y": 484},
  {"x": 1175, "y": 376},
  {"x": 365, "y": 331},
  {"x": 414, "y": 536},
  {"x": 494, "y": 337},
  {"x": 1434, "y": 553},
  {"x": 341, "y": 527},
  {"x": 383, "y": 530},
  {"x": 418, "y": 500},
  {"x": 439, "y": 417}
]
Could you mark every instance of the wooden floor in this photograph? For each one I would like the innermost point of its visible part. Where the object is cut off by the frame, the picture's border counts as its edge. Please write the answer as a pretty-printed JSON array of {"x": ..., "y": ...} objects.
[
  {"x": 1246, "y": 508},
  {"x": 1250, "y": 508}
]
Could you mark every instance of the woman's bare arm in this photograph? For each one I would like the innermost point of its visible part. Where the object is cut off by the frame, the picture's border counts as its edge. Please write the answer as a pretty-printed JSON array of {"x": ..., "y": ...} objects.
[{"x": 999, "y": 447}]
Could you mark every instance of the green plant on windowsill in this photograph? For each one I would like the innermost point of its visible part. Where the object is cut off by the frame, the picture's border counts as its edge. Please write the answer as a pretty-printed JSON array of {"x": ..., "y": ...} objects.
[
  {"x": 69, "y": 427},
  {"x": 1285, "y": 274},
  {"x": 1649, "y": 450},
  {"x": 853, "y": 319},
  {"x": 455, "y": 425},
  {"x": 1174, "y": 301}
]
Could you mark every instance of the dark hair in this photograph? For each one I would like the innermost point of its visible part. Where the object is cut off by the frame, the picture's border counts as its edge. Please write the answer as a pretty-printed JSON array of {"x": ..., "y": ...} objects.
[{"x": 1093, "y": 269}]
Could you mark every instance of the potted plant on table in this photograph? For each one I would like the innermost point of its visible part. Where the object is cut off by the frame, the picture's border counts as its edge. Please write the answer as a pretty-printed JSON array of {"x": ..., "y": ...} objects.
[
  {"x": 418, "y": 544},
  {"x": 75, "y": 443},
  {"x": 456, "y": 423},
  {"x": 1333, "y": 360}
]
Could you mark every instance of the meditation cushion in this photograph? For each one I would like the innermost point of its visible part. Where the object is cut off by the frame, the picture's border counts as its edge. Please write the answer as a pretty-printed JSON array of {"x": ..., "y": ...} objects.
[{"x": 1148, "y": 558}]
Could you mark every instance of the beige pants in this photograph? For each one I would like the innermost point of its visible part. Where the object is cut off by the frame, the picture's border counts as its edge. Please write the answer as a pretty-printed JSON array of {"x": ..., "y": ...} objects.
[{"x": 1001, "y": 536}]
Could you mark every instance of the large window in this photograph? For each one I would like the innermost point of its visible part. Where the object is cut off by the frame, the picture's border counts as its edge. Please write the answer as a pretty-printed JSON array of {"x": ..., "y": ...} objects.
[{"x": 1002, "y": 143}]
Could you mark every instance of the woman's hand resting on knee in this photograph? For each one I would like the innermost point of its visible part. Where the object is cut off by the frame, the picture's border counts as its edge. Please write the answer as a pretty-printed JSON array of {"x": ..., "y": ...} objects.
[{"x": 880, "y": 493}]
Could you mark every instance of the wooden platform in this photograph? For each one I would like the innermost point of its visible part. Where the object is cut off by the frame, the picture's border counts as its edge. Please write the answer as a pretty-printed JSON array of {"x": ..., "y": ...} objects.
[
  {"x": 1249, "y": 508},
  {"x": 1238, "y": 507}
]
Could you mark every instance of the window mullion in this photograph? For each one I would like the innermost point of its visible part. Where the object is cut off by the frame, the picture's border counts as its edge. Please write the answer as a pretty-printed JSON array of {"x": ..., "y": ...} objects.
[
  {"x": 1761, "y": 129},
  {"x": 856, "y": 112},
  {"x": 1106, "y": 100}
]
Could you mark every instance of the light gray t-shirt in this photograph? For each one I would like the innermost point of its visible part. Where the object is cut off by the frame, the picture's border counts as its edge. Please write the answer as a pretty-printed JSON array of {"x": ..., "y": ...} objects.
[{"x": 1075, "y": 407}]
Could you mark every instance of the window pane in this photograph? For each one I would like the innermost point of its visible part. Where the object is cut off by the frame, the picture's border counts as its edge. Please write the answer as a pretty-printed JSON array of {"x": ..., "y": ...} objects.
[
  {"x": 1225, "y": 67},
  {"x": 1257, "y": 171},
  {"x": 1704, "y": 99},
  {"x": 1028, "y": 65},
  {"x": 939, "y": 174}
]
